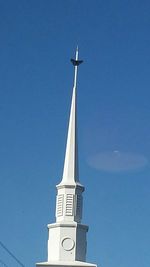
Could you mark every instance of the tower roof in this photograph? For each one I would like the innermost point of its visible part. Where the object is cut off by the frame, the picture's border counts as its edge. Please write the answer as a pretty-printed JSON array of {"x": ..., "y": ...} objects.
[{"x": 70, "y": 172}]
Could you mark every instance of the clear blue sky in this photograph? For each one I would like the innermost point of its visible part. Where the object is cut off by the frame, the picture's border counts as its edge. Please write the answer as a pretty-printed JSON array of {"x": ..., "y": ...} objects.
[{"x": 37, "y": 39}]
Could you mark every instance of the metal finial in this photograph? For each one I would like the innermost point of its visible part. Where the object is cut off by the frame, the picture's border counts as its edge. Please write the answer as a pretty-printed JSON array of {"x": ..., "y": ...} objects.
[{"x": 75, "y": 61}]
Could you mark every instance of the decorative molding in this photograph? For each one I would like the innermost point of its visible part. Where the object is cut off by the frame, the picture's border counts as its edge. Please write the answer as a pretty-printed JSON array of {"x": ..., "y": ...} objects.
[{"x": 68, "y": 243}]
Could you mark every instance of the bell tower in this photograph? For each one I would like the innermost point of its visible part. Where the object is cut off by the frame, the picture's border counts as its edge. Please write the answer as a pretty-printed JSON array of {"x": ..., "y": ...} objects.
[{"x": 67, "y": 236}]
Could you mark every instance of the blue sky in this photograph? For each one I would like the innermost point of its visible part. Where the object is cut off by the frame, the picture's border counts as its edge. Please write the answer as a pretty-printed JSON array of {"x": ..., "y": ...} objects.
[{"x": 37, "y": 40}]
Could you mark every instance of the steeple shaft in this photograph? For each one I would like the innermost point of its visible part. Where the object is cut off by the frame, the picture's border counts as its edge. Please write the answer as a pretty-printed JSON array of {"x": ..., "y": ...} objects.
[
  {"x": 70, "y": 172},
  {"x": 69, "y": 197}
]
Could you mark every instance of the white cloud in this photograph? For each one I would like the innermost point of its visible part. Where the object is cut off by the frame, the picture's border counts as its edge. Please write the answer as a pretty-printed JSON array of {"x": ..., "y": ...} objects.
[{"x": 117, "y": 161}]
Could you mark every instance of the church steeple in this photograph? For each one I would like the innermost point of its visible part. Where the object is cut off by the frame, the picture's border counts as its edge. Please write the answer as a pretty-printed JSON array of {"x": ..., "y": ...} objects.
[
  {"x": 67, "y": 236},
  {"x": 69, "y": 197},
  {"x": 71, "y": 172}
]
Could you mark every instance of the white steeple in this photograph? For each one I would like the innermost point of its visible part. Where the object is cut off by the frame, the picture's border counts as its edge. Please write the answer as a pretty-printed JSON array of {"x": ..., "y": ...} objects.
[
  {"x": 69, "y": 188},
  {"x": 70, "y": 174},
  {"x": 67, "y": 236}
]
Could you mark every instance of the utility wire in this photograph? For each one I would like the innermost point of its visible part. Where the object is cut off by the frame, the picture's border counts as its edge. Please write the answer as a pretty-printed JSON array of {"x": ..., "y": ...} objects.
[
  {"x": 3, "y": 263},
  {"x": 11, "y": 254}
]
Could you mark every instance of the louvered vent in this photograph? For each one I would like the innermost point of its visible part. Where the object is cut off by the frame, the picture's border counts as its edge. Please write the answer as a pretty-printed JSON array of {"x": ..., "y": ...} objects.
[
  {"x": 79, "y": 206},
  {"x": 69, "y": 204},
  {"x": 60, "y": 200}
]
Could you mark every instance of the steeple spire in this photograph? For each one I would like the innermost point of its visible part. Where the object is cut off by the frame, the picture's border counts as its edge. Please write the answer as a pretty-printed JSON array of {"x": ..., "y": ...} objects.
[
  {"x": 70, "y": 172},
  {"x": 67, "y": 236}
]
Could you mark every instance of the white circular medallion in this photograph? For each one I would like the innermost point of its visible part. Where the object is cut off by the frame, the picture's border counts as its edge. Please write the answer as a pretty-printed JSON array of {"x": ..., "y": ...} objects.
[{"x": 68, "y": 243}]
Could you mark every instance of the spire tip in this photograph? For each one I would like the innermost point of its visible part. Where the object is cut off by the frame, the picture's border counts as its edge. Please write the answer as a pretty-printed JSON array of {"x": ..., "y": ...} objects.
[{"x": 75, "y": 61}]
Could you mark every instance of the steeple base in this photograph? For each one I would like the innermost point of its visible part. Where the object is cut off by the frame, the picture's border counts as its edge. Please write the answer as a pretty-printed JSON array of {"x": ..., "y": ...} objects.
[
  {"x": 66, "y": 264},
  {"x": 67, "y": 242}
]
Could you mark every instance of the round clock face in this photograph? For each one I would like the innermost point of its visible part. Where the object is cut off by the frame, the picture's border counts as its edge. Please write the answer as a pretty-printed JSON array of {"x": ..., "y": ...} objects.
[{"x": 68, "y": 243}]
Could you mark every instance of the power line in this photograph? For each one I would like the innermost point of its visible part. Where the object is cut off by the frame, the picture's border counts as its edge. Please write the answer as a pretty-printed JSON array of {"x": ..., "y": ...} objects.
[
  {"x": 3, "y": 263},
  {"x": 11, "y": 254}
]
